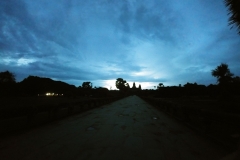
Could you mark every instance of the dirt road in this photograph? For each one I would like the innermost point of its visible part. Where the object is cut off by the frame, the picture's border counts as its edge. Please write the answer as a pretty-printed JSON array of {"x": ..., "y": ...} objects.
[{"x": 126, "y": 129}]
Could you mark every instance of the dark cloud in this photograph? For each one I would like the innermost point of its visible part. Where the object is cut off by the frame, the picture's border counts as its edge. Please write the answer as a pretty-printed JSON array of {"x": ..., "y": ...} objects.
[
  {"x": 16, "y": 27},
  {"x": 142, "y": 21},
  {"x": 143, "y": 41}
]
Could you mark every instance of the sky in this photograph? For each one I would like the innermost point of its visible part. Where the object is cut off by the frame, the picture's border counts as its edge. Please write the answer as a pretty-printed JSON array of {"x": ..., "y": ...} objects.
[{"x": 143, "y": 41}]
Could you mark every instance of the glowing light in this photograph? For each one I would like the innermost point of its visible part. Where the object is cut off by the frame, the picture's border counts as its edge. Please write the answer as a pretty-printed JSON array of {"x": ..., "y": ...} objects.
[
  {"x": 47, "y": 94},
  {"x": 51, "y": 94}
]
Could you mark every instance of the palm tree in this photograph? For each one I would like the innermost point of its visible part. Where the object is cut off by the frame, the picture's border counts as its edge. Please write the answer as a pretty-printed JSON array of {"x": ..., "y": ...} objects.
[
  {"x": 223, "y": 74},
  {"x": 234, "y": 10}
]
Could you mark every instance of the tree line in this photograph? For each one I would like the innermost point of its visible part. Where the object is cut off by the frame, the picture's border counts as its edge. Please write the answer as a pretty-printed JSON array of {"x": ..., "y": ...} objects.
[
  {"x": 41, "y": 86},
  {"x": 227, "y": 85}
]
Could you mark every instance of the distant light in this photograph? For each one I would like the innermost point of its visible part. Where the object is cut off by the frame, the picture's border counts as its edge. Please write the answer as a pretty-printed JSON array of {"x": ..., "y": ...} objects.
[
  {"x": 53, "y": 94},
  {"x": 49, "y": 94}
]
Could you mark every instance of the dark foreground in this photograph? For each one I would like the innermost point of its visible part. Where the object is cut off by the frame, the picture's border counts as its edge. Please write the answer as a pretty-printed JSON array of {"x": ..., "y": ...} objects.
[{"x": 126, "y": 129}]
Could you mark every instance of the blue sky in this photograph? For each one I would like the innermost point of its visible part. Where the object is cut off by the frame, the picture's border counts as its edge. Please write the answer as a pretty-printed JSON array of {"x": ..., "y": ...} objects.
[{"x": 144, "y": 41}]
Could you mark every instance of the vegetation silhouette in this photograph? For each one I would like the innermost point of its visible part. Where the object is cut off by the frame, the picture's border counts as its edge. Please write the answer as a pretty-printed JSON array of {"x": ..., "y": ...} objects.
[
  {"x": 234, "y": 10},
  {"x": 33, "y": 85},
  {"x": 160, "y": 85},
  {"x": 87, "y": 85},
  {"x": 7, "y": 84},
  {"x": 40, "y": 86},
  {"x": 227, "y": 84},
  {"x": 124, "y": 87},
  {"x": 223, "y": 74},
  {"x": 7, "y": 77},
  {"x": 122, "y": 84}
]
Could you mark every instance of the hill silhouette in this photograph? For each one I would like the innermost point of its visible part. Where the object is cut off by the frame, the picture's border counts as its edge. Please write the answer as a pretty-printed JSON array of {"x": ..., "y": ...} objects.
[{"x": 33, "y": 85}]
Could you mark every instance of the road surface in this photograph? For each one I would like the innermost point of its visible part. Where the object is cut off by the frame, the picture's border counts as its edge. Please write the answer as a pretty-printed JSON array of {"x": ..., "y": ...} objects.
[{"x": 126, "y": 129}]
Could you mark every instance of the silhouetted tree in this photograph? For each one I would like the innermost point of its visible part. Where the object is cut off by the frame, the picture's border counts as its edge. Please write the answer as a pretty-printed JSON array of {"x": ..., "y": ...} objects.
[
  {"x": 127, "y": 86},
  {"x": 223, "y": 74},
  {"x": 236, "y": 79},
  {"x": 8, "y": 85},
  {"x": 234, "y": 10},
  {"x": 121, "y": 84},
  {"x": 7, "y": 77},
  {"x": 87, "y": 85},
  {"x": 190, "y": 84},
  {"x": 235, "y": 85},
  {"x": 100, "y": 92},
  {"x": 160, "y": 85}
]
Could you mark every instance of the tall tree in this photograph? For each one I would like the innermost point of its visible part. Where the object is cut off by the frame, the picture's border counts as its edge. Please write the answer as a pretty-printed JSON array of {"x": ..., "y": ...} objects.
[
  {"x": 160, "y": 85},
  {"x": 121, "y": 84},
  {"x": 87, "y": 85},
  {"x": 8, "y": 85},
  {"x": 234, "y": 10},
  {"x": 223, "y": 74},
  {"x": 7, "y": 77},
  {"x": 127, "y": 86}
]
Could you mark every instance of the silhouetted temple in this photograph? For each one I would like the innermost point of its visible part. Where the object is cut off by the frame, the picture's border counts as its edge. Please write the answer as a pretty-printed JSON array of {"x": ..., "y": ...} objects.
[{"x": 134, "y": 88}]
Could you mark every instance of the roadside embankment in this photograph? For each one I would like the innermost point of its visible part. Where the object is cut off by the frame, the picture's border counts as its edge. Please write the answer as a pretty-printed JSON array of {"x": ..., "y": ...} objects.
[
  {"x": 222, "y": 127},
  {"x": 20, "y": 118}
]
